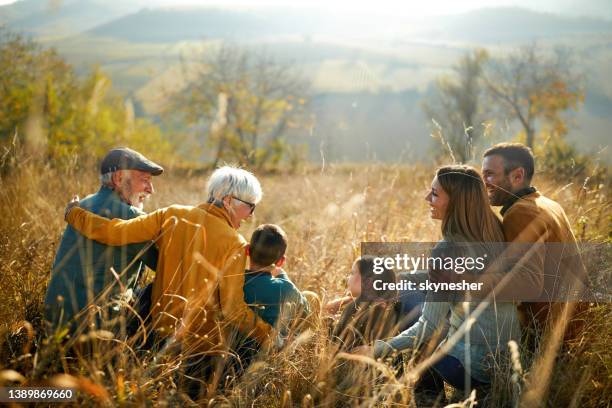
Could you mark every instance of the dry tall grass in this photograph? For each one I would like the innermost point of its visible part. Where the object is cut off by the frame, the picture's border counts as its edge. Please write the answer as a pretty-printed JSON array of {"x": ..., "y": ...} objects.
[{"x": 327, "y": 214}]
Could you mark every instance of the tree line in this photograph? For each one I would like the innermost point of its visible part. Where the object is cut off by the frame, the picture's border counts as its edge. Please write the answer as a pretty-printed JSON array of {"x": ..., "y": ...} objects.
[
  {"x": 532, "y": 87},
  {"x": 241, "y": 105},
  {"x": 60, "y": 117}
]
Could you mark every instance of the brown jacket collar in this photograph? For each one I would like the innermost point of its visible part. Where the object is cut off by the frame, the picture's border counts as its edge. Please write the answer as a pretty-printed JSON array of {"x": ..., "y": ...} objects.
[{"x": 515, "y": 197}]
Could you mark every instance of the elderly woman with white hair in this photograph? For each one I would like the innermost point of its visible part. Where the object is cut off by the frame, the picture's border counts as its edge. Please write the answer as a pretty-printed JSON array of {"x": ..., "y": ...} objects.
[{"x": 198, "y": 293}]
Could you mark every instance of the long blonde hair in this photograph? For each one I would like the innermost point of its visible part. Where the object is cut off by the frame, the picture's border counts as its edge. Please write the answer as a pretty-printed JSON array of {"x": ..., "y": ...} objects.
[{"x": 468, "y": 217}]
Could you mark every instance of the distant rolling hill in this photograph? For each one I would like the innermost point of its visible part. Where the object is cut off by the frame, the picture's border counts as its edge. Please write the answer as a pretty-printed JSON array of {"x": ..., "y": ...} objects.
[
  {"x": 194, "y": 23},
  {"x": 514, "y": 25},
  {"x": 369, "y": 75},
  {"x": 56, "y": 19},
  {"x": 482, "y": 26}
]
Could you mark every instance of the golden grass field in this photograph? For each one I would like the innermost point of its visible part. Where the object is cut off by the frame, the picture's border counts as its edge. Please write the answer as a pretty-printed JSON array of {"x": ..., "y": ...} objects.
[{"x": 327, "y": 212}]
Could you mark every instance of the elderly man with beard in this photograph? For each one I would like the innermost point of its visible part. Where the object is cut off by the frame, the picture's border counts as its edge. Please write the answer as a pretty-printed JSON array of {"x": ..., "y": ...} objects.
[{"x": 86, "y": 272}]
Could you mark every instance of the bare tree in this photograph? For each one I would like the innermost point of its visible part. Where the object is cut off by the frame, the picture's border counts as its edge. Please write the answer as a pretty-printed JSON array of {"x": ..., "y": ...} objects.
[
  {"x": 531, "y": 85},
  {"x": 456, "y": 105},
  {"x": 246, "y": 102}
]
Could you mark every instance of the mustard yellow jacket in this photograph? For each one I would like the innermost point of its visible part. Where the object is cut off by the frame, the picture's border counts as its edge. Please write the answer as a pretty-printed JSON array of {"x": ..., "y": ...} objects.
[{"x": 198, "y": 289}]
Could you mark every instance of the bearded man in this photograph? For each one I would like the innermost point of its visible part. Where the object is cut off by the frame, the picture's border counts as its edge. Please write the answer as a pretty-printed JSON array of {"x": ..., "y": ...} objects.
[
  {"x": 540, "y": 227},
  {"x": 86, "y": 273}
]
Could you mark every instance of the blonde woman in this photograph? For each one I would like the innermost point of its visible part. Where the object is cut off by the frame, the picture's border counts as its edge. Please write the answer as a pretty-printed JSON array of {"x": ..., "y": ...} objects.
[{"x": 459, "y": 200}]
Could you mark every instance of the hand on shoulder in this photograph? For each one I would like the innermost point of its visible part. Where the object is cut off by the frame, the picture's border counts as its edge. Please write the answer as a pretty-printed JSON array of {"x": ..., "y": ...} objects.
[{"x": 71, "y": 204}]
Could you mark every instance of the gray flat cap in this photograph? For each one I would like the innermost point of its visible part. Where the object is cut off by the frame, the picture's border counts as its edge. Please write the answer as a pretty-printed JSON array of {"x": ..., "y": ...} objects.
[{"x": 123, "y": 158}]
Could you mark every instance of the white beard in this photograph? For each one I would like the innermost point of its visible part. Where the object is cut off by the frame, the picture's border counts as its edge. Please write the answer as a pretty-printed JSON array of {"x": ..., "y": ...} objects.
[
  {"x": 138, "y": 200},
  {"x": 134, "y": 199}
]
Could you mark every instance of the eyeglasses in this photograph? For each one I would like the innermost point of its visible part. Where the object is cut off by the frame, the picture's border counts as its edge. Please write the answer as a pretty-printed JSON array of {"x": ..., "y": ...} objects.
[{"x": 251, "y": 205}]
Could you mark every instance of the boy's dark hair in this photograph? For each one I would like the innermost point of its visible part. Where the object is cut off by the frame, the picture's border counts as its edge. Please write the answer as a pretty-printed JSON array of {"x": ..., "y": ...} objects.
[
  {"x": 268, "y": 244},
  {"x": 515, "y": 155}
]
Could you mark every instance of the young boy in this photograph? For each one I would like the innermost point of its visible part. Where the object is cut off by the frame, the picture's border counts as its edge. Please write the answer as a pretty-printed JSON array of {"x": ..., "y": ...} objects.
[
  {"x": 269, "y": 291},
  {"x": 267, "y": 288}
]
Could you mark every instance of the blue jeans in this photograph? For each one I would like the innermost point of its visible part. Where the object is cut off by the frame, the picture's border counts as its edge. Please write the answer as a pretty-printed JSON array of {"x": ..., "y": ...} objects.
[
  {"x": 142, "y": 306},
  {"x": 447, "y": 369}
]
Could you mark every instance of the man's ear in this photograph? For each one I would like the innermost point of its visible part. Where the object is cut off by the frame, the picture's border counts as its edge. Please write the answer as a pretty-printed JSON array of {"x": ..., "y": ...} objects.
[
  {"x": 281, "y": 261},
  {"x": 116, "y": 177},
  {"x": 517, "y": 177},
  {"x": 248, "y": 250}
]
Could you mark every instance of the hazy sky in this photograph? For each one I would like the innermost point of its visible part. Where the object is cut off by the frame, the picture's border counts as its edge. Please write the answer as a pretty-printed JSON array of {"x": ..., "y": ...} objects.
[{"x": 402, "y": 7}]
